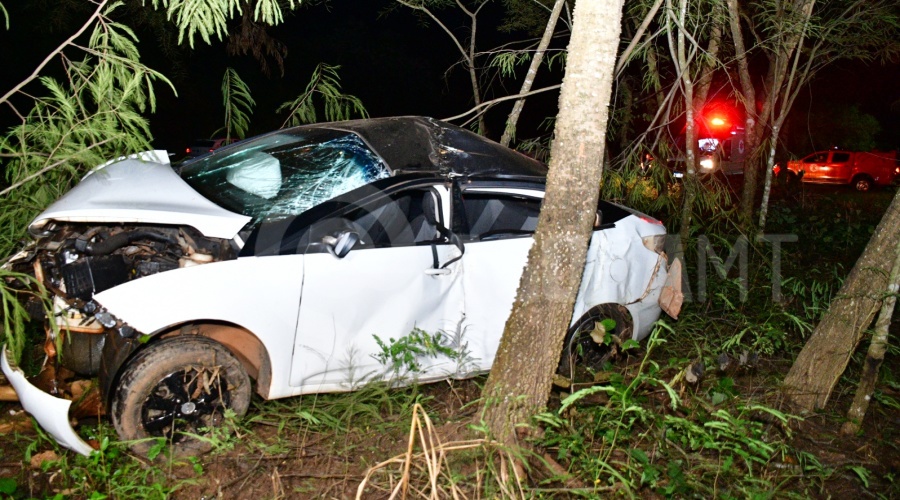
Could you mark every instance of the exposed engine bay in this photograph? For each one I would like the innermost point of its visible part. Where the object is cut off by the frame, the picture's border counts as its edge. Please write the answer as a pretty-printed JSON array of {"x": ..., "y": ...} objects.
[{"x": 76, "y": 261}]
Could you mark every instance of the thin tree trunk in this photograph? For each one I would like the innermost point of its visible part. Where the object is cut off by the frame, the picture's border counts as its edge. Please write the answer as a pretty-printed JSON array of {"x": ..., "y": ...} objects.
[
  {"x": 510, "y": 130},
  {"x": 683, "y": 65},
  {"x": 467, "y": 54},
  {"x": 785, "y": 89},
  {"x": 875, "y": 356},
  {"x": 470, "y": 62},
  {"x": 786, "y": 42},
  {"x": 520, "y": 380},
  {"x": 708, "y": 69},
  {"x": 767, "y": 187},
  {"x": 748, "y": 100},
  {"x": 626, "y": 54},
  {"x": 825, "y": 356}
]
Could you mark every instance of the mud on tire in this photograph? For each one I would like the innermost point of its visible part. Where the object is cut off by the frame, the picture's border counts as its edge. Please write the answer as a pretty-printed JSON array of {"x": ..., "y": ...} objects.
[{"x": 176, "y": 387}]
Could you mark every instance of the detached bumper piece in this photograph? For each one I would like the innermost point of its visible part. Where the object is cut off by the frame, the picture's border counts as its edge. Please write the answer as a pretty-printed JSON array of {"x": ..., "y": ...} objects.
[
  {"x": 50, "y": 412},
  {"x": 671, "y": 299}
]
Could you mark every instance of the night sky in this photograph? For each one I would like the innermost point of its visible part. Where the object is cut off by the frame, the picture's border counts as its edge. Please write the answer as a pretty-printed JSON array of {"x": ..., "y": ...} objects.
[{"x": 392, "y": 62}]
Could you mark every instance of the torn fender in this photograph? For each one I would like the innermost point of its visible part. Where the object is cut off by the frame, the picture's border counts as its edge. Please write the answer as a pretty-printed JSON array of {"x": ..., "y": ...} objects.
[{"x": 51, "y": 413}]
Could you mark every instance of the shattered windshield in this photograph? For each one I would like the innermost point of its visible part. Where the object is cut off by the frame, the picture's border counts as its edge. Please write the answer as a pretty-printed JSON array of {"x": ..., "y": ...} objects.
[{"x": 283, "y": 174}]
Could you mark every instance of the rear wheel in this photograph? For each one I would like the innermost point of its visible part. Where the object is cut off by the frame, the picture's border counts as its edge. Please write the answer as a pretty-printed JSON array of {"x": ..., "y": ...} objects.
[
  {"x": 177, "y": 388},
  {"x": 863, "y": 183},
  {"x": 591, "y": 341}
]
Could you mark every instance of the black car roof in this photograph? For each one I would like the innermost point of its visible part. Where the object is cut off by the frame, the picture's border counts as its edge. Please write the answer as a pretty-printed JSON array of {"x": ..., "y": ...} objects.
[{"x": 422, "y": 144}]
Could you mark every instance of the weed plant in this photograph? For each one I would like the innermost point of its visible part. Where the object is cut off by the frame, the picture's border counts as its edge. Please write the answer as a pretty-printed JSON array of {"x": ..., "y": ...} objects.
[
  {"x": 109, "y": 472},
  {"x": 647, "y": 432}
]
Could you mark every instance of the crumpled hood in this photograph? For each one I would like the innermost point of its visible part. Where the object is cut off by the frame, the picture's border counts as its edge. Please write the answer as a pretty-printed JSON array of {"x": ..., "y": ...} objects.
[{"x": 144, "y": 190}]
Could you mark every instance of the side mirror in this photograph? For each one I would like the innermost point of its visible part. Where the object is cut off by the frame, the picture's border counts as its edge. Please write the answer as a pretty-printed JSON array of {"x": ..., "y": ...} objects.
[{"x": 341, "y": 245}]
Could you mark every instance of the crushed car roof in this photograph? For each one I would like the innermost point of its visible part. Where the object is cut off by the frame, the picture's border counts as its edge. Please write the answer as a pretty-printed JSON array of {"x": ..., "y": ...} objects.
[{"x": 422, "y": 144}]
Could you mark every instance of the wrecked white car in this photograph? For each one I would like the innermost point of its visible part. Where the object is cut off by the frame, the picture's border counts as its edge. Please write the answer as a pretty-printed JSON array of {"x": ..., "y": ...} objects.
[{"x": 289, "y": 259}]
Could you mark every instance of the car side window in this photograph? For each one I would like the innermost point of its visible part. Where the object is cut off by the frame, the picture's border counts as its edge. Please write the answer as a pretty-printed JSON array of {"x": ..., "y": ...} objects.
[
  {"x": 840, "y": 157},
  {"x": 816, "y": 158},
  {"x": 491, "y": 216},
  {"x": 404, "y": 218},
  {"x": 401, "y": 219}
]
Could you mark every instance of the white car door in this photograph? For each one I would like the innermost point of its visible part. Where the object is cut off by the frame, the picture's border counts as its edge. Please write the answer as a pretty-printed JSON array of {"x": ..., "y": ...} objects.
[
  {"x": 400, "y": 276},
  {"x": 497, "y": 228}
]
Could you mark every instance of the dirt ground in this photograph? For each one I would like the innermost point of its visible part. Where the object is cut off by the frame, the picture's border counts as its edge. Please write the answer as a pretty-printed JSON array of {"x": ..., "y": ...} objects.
[{"x": 266, "y": 462}]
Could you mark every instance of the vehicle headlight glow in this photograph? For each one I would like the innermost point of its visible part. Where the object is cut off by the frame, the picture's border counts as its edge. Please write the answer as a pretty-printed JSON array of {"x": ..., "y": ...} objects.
[{"x": 706, "y": 164}]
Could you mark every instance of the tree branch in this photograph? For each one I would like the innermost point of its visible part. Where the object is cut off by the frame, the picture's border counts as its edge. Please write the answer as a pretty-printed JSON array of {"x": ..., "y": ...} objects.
[
  {"x": 501, "y": 99},
  {"x": 51, "y": 55}
]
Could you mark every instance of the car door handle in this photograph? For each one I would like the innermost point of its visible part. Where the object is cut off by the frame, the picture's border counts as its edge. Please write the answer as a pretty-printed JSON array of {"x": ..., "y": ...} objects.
[{"x": 434, "y": 272}]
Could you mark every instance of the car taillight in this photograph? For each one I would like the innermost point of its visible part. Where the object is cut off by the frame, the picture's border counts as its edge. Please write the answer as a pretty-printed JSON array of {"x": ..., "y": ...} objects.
[
  {"x": 656, "y": 243},
  {"x": 648, "y": 219},
  {"x": 188, "y": 150}
]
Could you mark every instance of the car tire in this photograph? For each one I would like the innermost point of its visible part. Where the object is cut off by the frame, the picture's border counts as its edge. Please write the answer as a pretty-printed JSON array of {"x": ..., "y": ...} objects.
[
  {"x": 176, "y": 387},
  {"x": 582, "y": 356},
  {"x": 863, "y": 183}
]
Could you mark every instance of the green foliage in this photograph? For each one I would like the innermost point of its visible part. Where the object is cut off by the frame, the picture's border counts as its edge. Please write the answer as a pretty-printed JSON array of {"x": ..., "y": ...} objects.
[
  {"x": 93, "y": 115},
  {"x": 324, "y": 83},
  {"x": 694, "y": 444},
  {"x": 238, "y": 104},
  {"x": 8, "y": 486},
  {"x": 508, "y": 61},
  {"x": 208, "y": 19},
  {"x": 109, "y": 472},
  {"x": 15, "y": 316},
  {"x": 403, "y": 355},
  {"x": 342, "y": 419}
]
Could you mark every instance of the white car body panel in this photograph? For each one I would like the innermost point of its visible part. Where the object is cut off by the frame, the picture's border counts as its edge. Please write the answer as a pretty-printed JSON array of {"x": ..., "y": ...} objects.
[
  {"x": 386, "y": 292},
  {"x": 381, "y": 291},
  {"x": 138, "y": 191},
  {"x": 491, "y": 274},
  {"x": 51, "y": 413},
  {"x": 267, "y": 305},
  {"x": 624, "y": 273}
]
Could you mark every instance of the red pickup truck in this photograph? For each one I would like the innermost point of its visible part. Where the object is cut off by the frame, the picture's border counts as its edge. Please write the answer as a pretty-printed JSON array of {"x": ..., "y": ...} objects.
[{"x": 862, "y": 170}]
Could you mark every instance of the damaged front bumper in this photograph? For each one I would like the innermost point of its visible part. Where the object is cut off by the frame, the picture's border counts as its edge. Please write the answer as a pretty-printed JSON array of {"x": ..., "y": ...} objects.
[{"x": 51, "y": 413}]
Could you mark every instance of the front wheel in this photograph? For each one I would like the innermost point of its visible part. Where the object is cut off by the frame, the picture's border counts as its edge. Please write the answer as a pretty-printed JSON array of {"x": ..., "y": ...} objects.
[{"x": 177, "y": 389}]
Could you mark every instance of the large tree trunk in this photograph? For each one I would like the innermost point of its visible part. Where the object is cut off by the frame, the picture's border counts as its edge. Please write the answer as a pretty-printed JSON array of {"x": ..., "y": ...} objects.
[
  {"x": 520, "y": 380},
  {"x": 875, "y": 356},
  {"x": 825, "y": 356}
]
